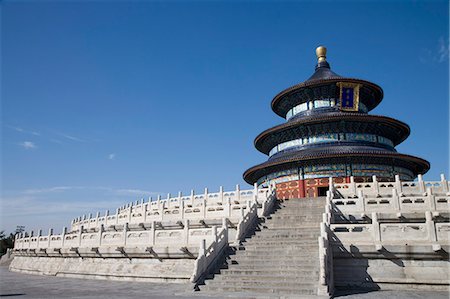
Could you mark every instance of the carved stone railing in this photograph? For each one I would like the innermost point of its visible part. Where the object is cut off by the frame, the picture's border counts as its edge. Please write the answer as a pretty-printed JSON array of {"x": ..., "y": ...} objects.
[
  {"x": 209, "y": 254},
  {"x": 387, "y": 229},
  {"x": 393, "y": 202},
  {"x": 155, "y": 235},
  {"x": 194, "y": 207},
  {"x": 326, "y": 281},
  {"x": 380, "y": 189}
]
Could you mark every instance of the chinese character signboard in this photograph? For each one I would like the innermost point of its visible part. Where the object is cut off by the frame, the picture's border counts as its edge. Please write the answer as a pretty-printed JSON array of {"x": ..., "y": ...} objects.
[{"x": 348, "y": 96}]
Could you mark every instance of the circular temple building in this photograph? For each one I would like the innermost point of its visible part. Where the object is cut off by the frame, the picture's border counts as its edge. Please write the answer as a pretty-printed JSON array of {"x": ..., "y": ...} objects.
[{"x": 329, "y": 133}]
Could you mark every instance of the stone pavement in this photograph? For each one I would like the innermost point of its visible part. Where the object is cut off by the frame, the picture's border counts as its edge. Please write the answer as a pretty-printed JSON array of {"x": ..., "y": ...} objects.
[{"x": 17, "y": 285}]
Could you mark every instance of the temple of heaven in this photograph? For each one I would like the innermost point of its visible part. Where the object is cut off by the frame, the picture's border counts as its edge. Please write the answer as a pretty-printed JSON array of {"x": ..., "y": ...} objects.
[{"x": 329, "y": 133}]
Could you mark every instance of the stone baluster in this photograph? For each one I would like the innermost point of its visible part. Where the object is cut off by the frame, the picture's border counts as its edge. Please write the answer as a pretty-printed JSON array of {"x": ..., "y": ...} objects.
[
  {"x": 228, "y": 207},
  {"x": 238, "y": 193},
  {"x": 224, "y": 222},
  {"x": 352, "y": 186},
  {"x": 152, "y": 233},
  {"x": 117, "y": 216},
  {"x": 192, "y": 197},
  {"x": 50, "y": 233},
  {"x": 129, "y": 214},
  {"x": 181, "y": 209},
  {"x": 431, "y": 231},
  {"x": 202, "y": 249},
  {"x": 168, "y": 200},
  {"x": 96, "y": 218},
  {"x": 255, "y": 192},
  {"x": 421, "y": 183},
  {"x": 398, "y": 184},
  {"x": 100, "y": 234},
  {"x": 431, "y": 199},
  {"x": 80, "y": 234},
  {"x": 396, "y": 200},
  {"x": 63, "y": 235},
  {"x": 444, "y": 184},
  {"x": 221, "y": 194},
  {"x": 214, "y": 233},
  {"x": 186, "y": 232},
  {"x": 376, "y": 232},
  {"x": 106, "y": 217},
  {"x": 125, "y": 233},
  {"x": 204, "y": 203},
  {"x": 144, "y": 211},
  {"x": 361, "y": 200},
  {"x": 180, "y": 194},
  {"x": 331, "y": 185},
  {"x": 375, "y": 186},
  {"x": 39, "y": 234},
  {"x": 158, "y": 200}
]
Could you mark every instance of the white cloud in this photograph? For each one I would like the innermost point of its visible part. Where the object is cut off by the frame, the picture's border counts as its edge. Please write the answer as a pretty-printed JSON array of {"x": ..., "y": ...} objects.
[
  {"x": 28, "y": 145},
  {"x": 21, "y": 130},
  {"x": 443, "y": 50},
  {"x": 70, "y": 137},
  {"x": 111, "y": 156}
]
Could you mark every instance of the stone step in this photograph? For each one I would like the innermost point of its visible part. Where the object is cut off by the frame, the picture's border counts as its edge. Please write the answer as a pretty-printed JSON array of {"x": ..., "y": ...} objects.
[
  {"x": 293, "y": 227},
  {"x": 293, "y": 235},
  {"x": 271, "y": 271},
  {"x": 274, "y": 277},
  {"x": 275, "y": 284},
  {"x": 288, "y": 261},
  {"x": 262, "y": 289},
  {"x": 267, "y": 248},
  {"x": 282, "y": 254},
  {"x": 278, "y": 243}
]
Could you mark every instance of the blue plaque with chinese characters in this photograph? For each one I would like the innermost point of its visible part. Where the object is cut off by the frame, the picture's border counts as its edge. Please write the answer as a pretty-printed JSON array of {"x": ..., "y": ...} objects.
[{"x": 348, "y": 96}]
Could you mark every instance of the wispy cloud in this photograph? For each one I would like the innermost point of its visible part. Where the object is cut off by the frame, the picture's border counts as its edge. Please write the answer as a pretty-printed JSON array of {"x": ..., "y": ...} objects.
[
  {"x": 437, "y": 54},
  {"x": 443, "y": 50},
  {"x": 70, "y": 137},
  {"x": 124, "y": 191},
  {"x": 21, "y": 130},
  {"x": 28, "y": 145},
  {"x": 112, "y": 156}
]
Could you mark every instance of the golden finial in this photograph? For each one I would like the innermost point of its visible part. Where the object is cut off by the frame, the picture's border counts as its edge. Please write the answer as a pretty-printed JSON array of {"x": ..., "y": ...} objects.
[{"x": 321, "y": 53}]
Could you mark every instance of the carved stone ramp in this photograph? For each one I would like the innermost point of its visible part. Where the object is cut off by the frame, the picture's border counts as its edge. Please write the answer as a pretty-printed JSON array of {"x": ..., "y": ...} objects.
[{"x": 281, "y": 259}]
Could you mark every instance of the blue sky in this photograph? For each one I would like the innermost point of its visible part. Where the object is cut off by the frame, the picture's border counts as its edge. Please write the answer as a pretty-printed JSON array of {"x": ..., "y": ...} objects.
[{"x": 106, "y": 102}]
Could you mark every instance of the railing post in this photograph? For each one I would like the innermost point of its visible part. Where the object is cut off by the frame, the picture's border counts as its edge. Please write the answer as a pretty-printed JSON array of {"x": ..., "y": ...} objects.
[
  {"x": 192, "y": 197},
  {"x": 353, "y": 186},
  {"x": 50, "y": 233},
  {"x": 330, "y": 185},
  {"x": 398, "y": 184},
  {"x": 430, "y": 227},
  {"x": 63, "y": 235},
  {"x": 228, "y": 207},
  {"x": 238, "y": 193},
  {"x": 117, "y": 216},
  {"x": 376, "y": 231},
  {"x": 100, "y": 233},
  {"x": 202, "y": 249},
  {"x": 255, "y": 192},
  {"x": 80, "y": 234},
  {"x": 221, "y": 194},
  {"x": 431, "y": 198},
  {"x": 444, "y": 183},
  {"x": 361, "y": 200},
  {"x": 396, "y": 200},
  {"x": 186, "y": 232},
  {"x": 376, "y": 187},
  {"x": 125, "y": 229},
  {"x": 421, "y": 183},
  {"x": 214, "y": 233},
  {"x": 181, "y": 209},
  {"x": 152, "y": 233}
]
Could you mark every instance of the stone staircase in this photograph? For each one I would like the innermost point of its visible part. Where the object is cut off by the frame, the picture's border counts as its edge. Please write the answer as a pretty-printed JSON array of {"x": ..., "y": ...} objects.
[{"x": 279, "y": 259}]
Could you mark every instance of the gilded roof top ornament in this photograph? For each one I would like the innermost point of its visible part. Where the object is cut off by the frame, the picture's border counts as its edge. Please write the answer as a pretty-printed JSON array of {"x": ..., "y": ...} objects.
[{"x": 321, "y": 53}]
